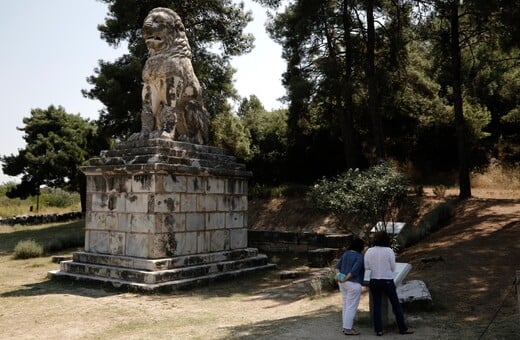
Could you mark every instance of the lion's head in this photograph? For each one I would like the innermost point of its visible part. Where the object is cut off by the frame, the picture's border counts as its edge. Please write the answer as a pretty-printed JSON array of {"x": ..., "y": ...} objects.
[{"x": 163, "y": 33}]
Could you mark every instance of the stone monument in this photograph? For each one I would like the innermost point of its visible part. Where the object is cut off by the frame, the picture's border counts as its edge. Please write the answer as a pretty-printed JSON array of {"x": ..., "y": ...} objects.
[{"x": 164, "y": 210}]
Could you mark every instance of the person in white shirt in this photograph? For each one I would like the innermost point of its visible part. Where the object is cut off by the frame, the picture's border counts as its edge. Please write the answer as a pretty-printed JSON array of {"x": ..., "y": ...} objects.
[{"x": 380, "y": 260}]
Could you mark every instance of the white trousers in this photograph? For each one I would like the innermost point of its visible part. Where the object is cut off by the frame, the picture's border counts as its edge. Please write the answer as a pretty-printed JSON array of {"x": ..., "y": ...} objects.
[{"x": 350, "y": 293}]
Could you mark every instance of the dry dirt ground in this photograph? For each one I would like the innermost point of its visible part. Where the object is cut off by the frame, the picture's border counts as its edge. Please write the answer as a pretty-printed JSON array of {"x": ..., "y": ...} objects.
[{"x": 472, "y": 289}]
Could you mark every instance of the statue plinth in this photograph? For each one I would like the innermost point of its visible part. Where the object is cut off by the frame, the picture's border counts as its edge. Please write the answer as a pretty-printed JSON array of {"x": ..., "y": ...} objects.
[{"x": 164, "y": 213}]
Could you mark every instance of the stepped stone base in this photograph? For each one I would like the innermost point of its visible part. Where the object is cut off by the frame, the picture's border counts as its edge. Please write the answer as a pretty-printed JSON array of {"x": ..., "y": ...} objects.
[
  {"x": 167, "y": 273},
  {"x": 163, "y": 213}
]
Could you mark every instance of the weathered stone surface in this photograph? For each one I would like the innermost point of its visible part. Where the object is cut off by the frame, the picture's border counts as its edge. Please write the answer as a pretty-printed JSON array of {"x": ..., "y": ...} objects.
[
  {"x": 169, "y": 78},
  {"x": 412, "y": 291}
]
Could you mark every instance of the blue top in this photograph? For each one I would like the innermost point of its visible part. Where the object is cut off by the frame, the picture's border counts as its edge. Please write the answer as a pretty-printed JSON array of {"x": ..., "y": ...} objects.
[{"x": 352, "y": 262}]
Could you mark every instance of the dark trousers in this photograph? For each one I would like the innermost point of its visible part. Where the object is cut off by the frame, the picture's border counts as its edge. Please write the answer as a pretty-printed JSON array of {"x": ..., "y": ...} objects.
[{"x": 386, "y": 287}]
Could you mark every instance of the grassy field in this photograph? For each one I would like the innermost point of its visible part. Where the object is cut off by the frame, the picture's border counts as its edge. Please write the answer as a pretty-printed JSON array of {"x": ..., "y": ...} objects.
[
  {"x": 44, "y": 234},
  {"x": 50, "y": 201}
]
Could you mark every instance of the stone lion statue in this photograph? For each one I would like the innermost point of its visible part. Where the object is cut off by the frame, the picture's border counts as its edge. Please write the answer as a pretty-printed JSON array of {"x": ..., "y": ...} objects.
[{"x": 172, "y": 96}]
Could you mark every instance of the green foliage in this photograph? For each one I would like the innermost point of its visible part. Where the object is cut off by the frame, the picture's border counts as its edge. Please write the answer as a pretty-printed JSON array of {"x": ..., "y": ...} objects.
[
  {"x": 27, "y": 249},
  {"x": 477, "y": 118},
  {"x": 362, "y": 198},
  {"x": 50, "y": 201},
  {"x": 512, "y": 117},
  {"x": 230, "y": 133},
  {"x": 268, "y": 132},
  {"x": 215, "y": 30},
  {"x": 57, "y": 144},
  {"x": 326, "y": 49},
  {"x": 58, "y": 198}
]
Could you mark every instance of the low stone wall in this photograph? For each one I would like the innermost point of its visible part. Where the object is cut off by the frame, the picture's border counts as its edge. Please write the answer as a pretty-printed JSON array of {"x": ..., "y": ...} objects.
[
  {"x": 41, "y": 219},
  {"x": 283, "y": 241}
]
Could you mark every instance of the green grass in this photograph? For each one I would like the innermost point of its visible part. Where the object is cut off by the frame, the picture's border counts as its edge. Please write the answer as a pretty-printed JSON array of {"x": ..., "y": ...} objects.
[
  {"x": 69, "y": 234},
  {"x": 50, "y": 201},
  {"x": 15, "y": 207}
]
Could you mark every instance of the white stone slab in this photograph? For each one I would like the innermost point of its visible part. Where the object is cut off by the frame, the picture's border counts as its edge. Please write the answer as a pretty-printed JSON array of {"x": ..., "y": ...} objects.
[
  {"x": 137, "y": 203},
  {"x": 414, "y": 290},
  {"x": 215, "y": 186},
  {"x": 174, "y": 183},
  {"x": 392, "y": 228},
  {"x": 401, "y": 270}
]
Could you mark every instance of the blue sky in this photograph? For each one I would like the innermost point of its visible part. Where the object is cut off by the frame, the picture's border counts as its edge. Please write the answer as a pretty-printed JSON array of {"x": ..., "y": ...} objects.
[{"x": 50, "y": 47}]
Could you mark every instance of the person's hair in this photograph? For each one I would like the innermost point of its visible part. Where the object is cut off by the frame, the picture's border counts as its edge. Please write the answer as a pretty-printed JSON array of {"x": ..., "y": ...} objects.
[
  {"x": 381, "y": 239},
  {"x": 357, "y": 244}
]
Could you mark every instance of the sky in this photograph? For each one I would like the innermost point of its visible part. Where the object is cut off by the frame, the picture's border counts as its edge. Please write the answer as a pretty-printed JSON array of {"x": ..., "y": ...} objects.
[{"x": 50, "y": 47}]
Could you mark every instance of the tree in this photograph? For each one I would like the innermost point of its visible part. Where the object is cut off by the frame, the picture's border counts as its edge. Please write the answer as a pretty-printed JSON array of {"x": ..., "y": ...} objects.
[
  {"x": 360, "y": 199},
  {"x": 57, "y": 144},
  {"x": 471, "y": 24},
  {"x": 215, "y": 32},
  {"x": 320, "y": 46},
  {"x": 379, "y": 80},
  {"x": 268, "y": 132},
  {"x": 345, "y": 59},
  {"x": 229, "y": 132}
]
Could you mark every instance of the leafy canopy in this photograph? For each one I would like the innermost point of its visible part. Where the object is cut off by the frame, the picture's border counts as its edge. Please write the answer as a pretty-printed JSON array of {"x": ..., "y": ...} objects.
[
  {"x": 360, "y": 199},
  {"x": 57, "y": 143}
]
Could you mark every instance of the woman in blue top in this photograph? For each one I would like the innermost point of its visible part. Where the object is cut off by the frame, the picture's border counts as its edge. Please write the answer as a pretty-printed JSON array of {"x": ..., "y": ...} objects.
[{"x": 350, "y": 277}]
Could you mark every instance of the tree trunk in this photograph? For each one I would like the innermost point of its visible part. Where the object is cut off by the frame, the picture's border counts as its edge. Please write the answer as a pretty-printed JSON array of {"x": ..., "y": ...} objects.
[
  {"x": 460, "y": 124},
  {"x": 347, "y": 114},
  {"x": 377, "y": 125}
]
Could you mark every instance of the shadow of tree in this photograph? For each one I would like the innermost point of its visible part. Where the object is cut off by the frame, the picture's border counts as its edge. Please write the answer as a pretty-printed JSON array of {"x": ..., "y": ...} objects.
[
  {"x": 39, "y": 234},
  {"x": 480, "y": 252}
]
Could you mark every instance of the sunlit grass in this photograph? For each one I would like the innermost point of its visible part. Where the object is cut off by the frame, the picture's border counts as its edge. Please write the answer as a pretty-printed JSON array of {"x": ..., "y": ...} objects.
[
  {"x": 68, "y": 233},
  {"x": 16, "y": 207},
  {"x": 497, "y": 177}
]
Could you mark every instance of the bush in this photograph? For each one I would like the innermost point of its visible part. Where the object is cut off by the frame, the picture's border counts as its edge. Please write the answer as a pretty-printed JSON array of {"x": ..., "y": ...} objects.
[
  {"x": 58, "y": 198},
  {"x": 362, "y": 198},
  {"x": 27, "y": 249},
  {"x": 439, "y": 191}
]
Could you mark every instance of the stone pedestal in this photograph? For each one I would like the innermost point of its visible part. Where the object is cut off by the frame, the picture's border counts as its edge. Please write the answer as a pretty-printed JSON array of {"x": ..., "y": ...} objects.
[{"x": 164, "y": 213}]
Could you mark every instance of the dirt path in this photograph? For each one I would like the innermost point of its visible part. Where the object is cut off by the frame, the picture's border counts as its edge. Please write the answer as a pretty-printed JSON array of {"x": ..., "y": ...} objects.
[{"x": 473, "y": 285}]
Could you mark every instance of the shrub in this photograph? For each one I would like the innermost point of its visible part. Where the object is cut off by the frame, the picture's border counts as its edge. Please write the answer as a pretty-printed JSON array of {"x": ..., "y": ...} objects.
[
  {"x": 59, "y": 198},
  {"x": 27, "y": 249},
  {"x": 362, "y": 198},
  {"x": 439, "y": 191}
]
